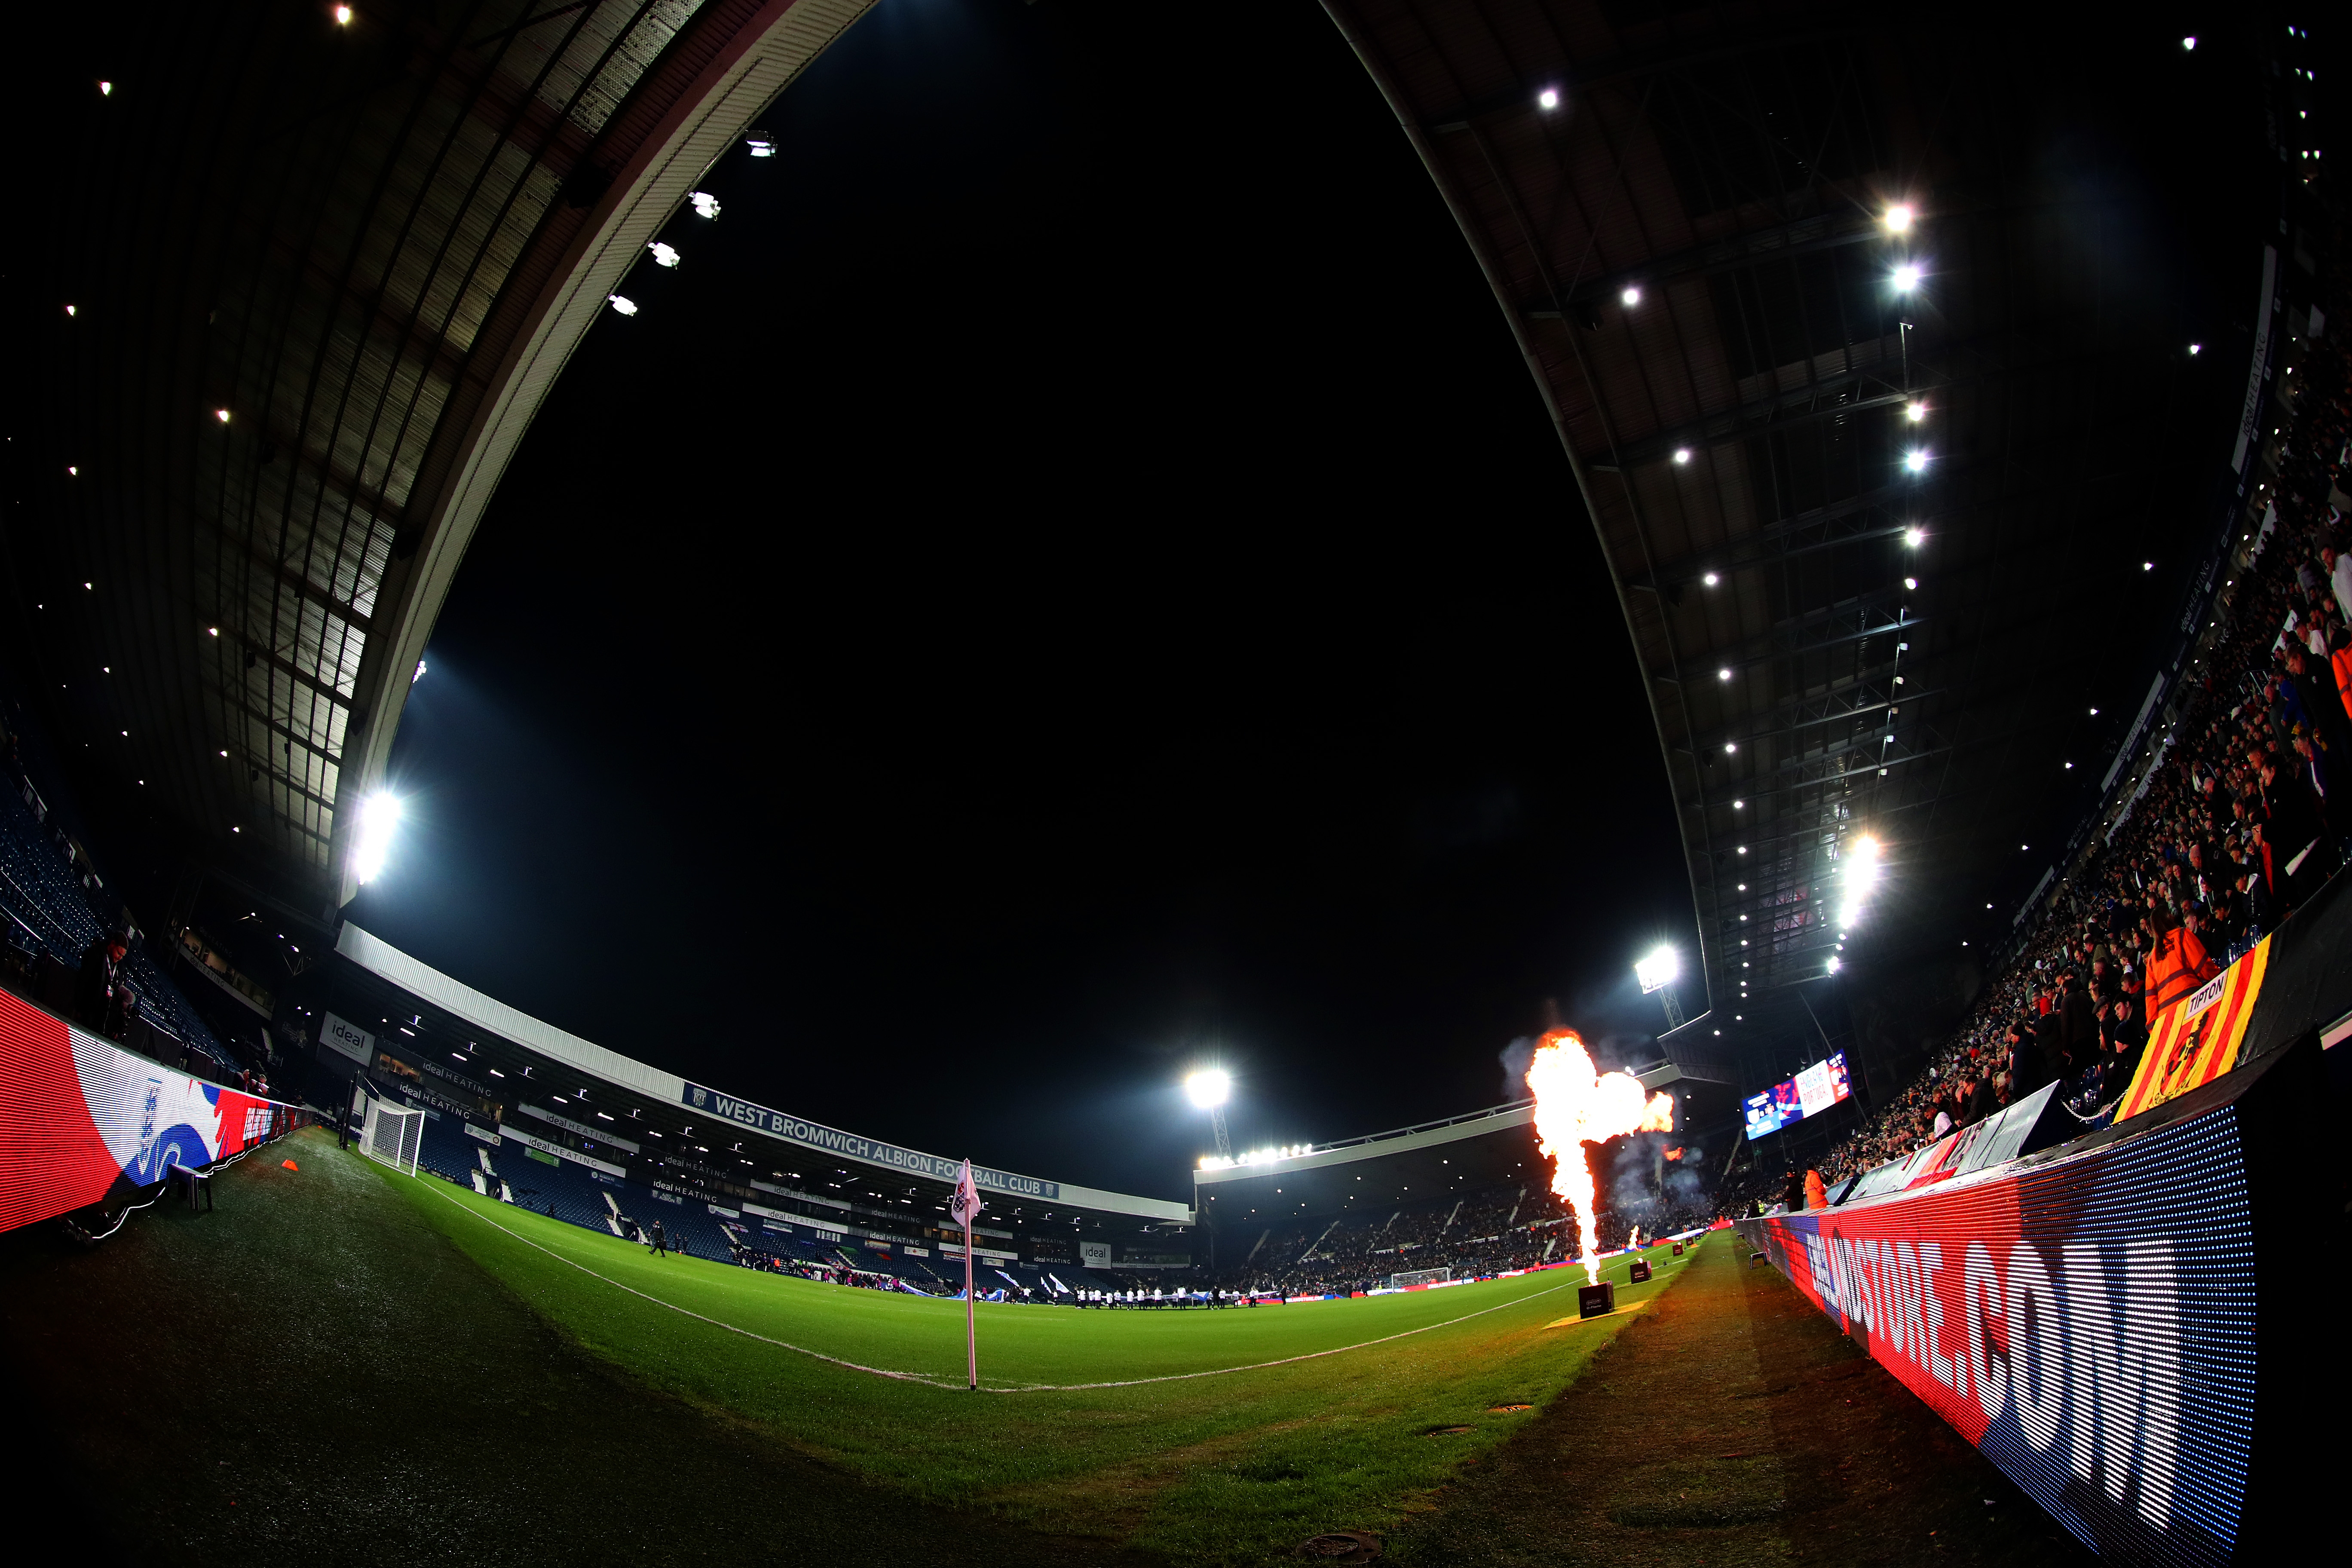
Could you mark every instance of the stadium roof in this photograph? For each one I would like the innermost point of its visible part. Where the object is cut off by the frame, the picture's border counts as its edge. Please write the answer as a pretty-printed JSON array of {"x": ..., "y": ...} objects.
[
  {"x": 310, "y": 281},
  {"x": 1689, "y": 217},
  {"x": 688, "y": 1101}
]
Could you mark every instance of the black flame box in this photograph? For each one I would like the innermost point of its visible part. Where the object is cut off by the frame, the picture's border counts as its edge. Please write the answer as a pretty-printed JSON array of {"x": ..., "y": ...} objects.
[
  {"x": 1639, "y": 1273},
  {"x": 1596, "y": 1300},
  {"x": 1678, "y": 1250}
]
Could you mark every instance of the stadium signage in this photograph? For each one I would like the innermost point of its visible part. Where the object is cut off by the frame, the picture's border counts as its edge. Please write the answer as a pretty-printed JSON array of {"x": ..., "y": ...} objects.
[
  {"x": 560, "y": 1152},
  {"x": 582, "y": 1128},
  {"x": 347, "y": 1040},
  {"x": 2089, "y": 1323},
  {"x": 460, "y": 1079},
  {"x": 826, "y": 1139}
]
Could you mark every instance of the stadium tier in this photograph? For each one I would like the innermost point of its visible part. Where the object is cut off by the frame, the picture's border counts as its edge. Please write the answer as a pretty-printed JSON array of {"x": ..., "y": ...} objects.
[{"x": 586, "y": 1136}]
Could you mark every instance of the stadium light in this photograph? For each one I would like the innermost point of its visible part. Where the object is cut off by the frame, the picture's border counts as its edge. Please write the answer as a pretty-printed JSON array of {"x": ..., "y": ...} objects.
[
  {"x": 705, "y": 204},
  {"x": 1548, "y": 99},
  {"x": 1906, "y": 277},
  {"x": 1633, "y": 294},
  {"x": 665, "y": 255},
  {"x": 342, "y": 15},
  {"x": 1658, "y": 969},
  {"x": 1915, "y": 412},
  {"x": 1682, "y": 454},
  {"x": 1898, "y": 219},
  {"x": 1209, "y": 1088},
  {"x": 379, "y": 815},
  {"x": 1914, "y": 461},
  {"x": 1915, "y": 537},
  {"x": 626, "y": 306},
  {"x": 762, "y": 146}
]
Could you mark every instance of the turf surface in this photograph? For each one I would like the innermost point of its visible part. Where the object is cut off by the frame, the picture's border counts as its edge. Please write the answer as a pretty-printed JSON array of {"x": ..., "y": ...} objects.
[{"x": 1209, "y": 1464}]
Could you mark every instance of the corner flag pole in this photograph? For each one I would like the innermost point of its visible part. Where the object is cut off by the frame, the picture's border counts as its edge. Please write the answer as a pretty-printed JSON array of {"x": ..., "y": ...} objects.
[{"x": 967, "y": 1205}]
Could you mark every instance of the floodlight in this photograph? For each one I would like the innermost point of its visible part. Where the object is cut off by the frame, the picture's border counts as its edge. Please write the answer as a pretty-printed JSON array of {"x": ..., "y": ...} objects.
[
  {"x": 1209, "y": 1087},
  {"x": 1915, "y": 537},
  {"x": 626, "y": 306},
  {"x": 2189, "y": 43},
  {"x": 2147, "y": 565},
  {"x": 1548, "y": 99},
  {"x": 342, "y": 15},
  {"x": 379, "y": 815},
  {"x": 1633, "y": 294},
  {"x": 1834, "y": 963},
  {"x": 665, "y": 255},
  {"x": 106, "y": 89},
  {"x": 1914, "y": 461},
  {"x": 2196, "y": 348},
  {"x": 1898, "y": 218},
  {"x": 1682, "y": 454},
  {"x": 1912, "y": 583},
  {"x": 221, "y": 415},
  {"x": 705, "y": 204},
  {"x": 1658, "y": 969},
  {"x": 1710, "y": 579},
  {"x": 1906, "y": 277},
  {"x": 761, "y": 146},
  {"x": 1915, "y": 412}
]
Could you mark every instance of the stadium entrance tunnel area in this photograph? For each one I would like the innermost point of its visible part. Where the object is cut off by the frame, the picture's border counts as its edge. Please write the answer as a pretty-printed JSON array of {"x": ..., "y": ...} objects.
[{"x": 339, "y": 1353}]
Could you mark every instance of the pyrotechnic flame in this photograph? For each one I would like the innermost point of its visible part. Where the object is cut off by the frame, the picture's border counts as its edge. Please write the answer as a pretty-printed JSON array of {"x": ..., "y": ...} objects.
[{"x": 1574, "y": 1107}]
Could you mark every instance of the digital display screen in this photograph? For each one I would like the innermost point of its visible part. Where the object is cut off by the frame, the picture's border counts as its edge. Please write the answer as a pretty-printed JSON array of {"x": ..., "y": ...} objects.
[{"x": 1809, "y": 1093}]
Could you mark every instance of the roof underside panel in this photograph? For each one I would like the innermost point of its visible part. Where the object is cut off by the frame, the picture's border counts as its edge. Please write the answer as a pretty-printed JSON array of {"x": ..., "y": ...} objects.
[{"x": 1681, "y": 215}]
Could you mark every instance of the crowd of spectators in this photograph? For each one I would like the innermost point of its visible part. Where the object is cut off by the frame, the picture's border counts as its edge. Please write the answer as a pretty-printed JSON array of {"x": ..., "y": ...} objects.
[
  {"x": 1516, "y": 1225},
  {"x": 2245, "y": 813}
]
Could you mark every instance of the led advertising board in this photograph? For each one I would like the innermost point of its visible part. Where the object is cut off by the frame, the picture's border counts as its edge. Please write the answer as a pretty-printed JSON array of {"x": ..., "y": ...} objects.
[
  {"x": 1809, "y": 1093},
  {"x": 2089, "y": 1321}
]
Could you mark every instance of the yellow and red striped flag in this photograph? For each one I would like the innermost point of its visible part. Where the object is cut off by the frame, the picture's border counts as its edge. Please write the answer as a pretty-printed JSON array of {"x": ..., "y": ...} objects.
[{"x": 2195, "y": 1039}]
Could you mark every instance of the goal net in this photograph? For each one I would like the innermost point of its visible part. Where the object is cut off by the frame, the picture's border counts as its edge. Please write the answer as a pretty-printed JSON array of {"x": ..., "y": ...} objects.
[
  {"x": 393, "y": 1135},
  {"x": 1420, "y": 1277}
]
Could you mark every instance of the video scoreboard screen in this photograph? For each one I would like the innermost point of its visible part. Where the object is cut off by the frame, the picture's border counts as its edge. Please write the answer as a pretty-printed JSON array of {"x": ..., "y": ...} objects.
[{"x": 1809, "y": 1093}]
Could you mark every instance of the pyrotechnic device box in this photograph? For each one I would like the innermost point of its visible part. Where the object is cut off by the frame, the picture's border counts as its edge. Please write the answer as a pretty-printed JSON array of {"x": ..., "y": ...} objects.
[
  {"x": 1640, "y": 1272},
  {"x": 1596, "y": 1300}
]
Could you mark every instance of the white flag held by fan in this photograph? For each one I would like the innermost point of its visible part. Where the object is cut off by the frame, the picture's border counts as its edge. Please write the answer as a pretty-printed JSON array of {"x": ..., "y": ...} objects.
[{"x": 965, "y": 1205}]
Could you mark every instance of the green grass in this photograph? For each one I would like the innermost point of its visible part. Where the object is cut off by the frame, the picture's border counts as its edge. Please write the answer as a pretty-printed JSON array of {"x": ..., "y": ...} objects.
[{"x": 1231, "y": 1468}]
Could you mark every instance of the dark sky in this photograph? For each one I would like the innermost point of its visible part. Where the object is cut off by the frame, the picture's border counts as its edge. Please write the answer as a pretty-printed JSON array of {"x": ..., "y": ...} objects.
[{"x": 1069, "y": 577}]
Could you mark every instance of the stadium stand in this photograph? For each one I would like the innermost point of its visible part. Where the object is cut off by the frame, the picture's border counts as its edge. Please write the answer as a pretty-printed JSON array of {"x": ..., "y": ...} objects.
[
  {"x": 2239, "y": 818},
  {"x": 46, "y": 891}
]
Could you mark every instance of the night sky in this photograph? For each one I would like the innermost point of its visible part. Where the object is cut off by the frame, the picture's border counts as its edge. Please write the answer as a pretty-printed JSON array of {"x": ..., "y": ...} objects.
[{"x": 1070, "y": 578}]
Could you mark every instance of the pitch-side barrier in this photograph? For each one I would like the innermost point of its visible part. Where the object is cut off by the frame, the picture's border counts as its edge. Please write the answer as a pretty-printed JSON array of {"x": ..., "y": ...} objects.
[
  {"x": 2135, "y": 1324},
  {"x": 85, "y": 1122}
]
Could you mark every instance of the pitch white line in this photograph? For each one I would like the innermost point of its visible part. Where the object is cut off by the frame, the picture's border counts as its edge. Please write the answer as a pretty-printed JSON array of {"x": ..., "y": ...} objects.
[{"x": 930, "y": 1381}]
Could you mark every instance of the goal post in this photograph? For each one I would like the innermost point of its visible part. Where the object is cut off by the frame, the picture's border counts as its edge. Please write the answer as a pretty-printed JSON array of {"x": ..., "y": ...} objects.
[
  {"x": 393, "y": 1135},
  {"x": 1421, "y": 1277}
]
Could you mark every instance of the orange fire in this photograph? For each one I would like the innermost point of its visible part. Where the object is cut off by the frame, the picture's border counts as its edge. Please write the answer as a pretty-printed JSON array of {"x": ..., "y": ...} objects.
[
  {"x": 1673, "y": 1153},
  {"x": 1574, "y": 1107}
]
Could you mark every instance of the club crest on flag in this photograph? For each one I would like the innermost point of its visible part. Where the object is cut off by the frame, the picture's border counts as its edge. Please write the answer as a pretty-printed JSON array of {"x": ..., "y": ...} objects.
[{"x": 966, "y": 1204}]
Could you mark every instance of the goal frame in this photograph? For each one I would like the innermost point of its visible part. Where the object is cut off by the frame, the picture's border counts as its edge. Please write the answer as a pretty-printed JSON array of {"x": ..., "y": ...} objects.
[{"x": 1412, "y": 1277}]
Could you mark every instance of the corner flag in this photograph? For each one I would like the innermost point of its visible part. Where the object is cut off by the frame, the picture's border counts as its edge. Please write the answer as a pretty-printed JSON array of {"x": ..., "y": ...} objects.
[
  {"x": 964, "y": 1206},
  {"x": 966, "y": 1203}
]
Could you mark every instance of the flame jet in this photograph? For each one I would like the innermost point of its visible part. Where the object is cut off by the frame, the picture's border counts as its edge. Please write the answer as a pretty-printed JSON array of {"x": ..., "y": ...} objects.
[{"x": 1574, "y": 1107}]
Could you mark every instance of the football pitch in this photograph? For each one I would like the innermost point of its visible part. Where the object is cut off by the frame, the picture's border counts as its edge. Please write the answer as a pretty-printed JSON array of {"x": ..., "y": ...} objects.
[{"x": 1223, "y": 1435}]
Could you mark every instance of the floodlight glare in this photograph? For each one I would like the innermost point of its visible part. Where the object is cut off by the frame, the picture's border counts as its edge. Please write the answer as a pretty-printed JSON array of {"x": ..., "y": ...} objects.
[
  {"x": 1916, "y": 412},
  {"x": 1682, "y": 454},
  {"x": 1898, "y": 218},
  {"x": 1915, "y": 537},
  {"x": 1710, "y": 579},
  {"x": 1906, "y": 277},
  {"x": 1548, "y": 99},
  {"x": 379, "y": 815},
  {"x": 1633, "y": 294},
  {"x": 1209, "y": 1087},
  {"x": 342, "y": 15},
  {"x": 1914, "y": 461},
  {"x": 1658, "y": 969}
]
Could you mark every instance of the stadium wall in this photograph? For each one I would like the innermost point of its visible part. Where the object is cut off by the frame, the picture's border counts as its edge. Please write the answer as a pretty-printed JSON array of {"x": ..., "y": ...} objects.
[
  {"x": 2124, "y": 1324},
  {"x": 81, "y": 1118}
]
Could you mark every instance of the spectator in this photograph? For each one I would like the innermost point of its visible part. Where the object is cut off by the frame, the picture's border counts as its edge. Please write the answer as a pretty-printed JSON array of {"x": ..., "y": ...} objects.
[{"x": 102, "y": 993}]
